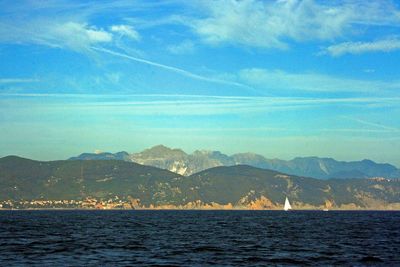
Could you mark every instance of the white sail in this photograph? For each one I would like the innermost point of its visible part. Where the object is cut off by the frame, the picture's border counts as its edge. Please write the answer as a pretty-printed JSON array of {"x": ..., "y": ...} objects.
[{"x": 287, "y": 205}]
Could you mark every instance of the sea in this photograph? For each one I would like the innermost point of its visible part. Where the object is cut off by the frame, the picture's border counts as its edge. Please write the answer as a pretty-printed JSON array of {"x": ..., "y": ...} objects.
[{"x": 199, "y": 238}]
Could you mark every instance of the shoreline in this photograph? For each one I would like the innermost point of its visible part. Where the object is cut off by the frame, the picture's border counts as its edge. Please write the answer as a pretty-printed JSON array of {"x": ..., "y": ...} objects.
[{"x": 170, "y": 209}]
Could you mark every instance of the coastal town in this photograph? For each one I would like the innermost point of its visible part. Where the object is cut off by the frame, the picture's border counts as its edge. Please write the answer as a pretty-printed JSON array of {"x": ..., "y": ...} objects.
[
  {"x": 110, "y": 204},
  {"x": 130, "y": 203},
  {"x": 87, "y": 203}
]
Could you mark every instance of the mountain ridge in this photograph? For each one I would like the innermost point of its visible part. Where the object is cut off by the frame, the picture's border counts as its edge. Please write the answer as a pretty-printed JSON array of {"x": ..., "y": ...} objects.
[
  {"x": 115, "y": 183},
  {"x": 180, "y": 162}
]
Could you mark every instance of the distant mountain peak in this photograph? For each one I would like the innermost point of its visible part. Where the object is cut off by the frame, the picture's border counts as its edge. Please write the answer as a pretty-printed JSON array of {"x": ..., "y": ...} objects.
[
  {"x": 248, "y": 155},
  {"x": 368, "y": 161},
  {"x": 102, "y": 156},
  {"x": 178, "y": 161},
  {"x": 159, "y": 150},
  {"x": 160, "y": 147},
  {"x": 209, "y": 153},
  {"x": 202, "y": 152}
]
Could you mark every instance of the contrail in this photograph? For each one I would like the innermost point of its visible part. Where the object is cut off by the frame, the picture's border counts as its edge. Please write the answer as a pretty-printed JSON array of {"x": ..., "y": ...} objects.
[
  {"x": 170, "y": 68},
  {"x": 373, "y": 124}
]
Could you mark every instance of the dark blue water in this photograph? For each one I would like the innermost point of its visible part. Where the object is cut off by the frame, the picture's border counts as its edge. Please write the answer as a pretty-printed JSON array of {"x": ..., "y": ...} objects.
[{"x": 199, "y": 238}]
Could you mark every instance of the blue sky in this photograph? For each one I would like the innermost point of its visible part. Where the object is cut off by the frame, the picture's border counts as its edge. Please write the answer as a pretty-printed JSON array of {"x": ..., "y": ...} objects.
[{"x": 279, "y": 78}]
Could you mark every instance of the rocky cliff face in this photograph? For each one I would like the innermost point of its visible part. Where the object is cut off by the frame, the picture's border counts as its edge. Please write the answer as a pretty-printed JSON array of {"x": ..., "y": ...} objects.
[{"x": 176, "y": 160}]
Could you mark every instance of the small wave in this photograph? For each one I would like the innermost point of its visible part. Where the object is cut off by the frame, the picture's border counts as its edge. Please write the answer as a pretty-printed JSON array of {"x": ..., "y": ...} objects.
[
  {"x": 288, "y": 261},
  {"x": 371, "y": 259},
  {"x": 207, "y": 249},
  {"x": 254, "y": 259}
]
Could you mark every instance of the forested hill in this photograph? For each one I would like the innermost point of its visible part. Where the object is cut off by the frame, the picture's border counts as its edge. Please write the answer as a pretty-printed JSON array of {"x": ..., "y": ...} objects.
[{"x": 239, "y": 186}]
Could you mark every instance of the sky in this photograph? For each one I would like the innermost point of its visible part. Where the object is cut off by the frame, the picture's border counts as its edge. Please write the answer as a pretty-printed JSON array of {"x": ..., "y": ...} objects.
[{"x": 282, "y": 78}]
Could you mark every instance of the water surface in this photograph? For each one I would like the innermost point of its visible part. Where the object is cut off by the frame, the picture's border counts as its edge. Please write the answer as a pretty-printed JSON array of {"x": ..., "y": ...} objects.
[{"x": 199, "y": 238}]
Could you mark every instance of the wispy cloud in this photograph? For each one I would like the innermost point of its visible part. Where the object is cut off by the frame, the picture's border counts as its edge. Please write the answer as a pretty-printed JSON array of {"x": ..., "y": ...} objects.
[
  {"x": 256, "y": 23},
  {"x": 126, "y": 30},
  {"x": 270, "y": 24},
  {"x": 18, "y": 80},
  {"x": 282, "y": 80},
  {"x": 193, "y": 105},
  {"x": 185, "y": 47},
  {"x": 355, "y": 130},
  {"x": 175, "y": 97},
  {"x": 373, "y": 124},
  {"x": 65, "y": 24},
  {"x": 384, "y": 45},
  {"x": 77, "y": 36},
  {"x": 170, "y": 68}
]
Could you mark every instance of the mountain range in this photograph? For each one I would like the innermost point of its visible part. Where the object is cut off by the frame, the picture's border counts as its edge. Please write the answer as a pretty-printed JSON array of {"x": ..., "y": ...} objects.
[
  {"x": 178, "y": 161},
  {"x": 239, "y": 186}
]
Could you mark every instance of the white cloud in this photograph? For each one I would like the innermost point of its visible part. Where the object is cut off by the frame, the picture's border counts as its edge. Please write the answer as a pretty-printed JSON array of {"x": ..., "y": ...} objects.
[
  {"x": 185, "y": 47},
  {"x": 65, "y": 24},
  {"x": 281, "y": 80},
  {"x": 126, "y": 30},
  {"x": 271, "y": 24},
  {"x": 76, "y": 36},
  {"x": 385, "y": 45}
]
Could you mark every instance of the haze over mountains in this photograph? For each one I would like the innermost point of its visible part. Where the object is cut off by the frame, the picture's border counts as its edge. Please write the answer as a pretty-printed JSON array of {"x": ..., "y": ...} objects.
[
  {"x": 178, "y": 161},
  {"x": 142, "y": 186}
]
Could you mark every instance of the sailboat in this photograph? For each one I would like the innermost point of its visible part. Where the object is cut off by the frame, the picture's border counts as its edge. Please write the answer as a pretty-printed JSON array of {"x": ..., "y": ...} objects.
[{"x": 287, "y": 205}]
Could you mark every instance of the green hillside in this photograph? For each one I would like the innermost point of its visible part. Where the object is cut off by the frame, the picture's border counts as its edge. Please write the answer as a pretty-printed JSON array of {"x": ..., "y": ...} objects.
[{"x": 241, "y": 186}]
